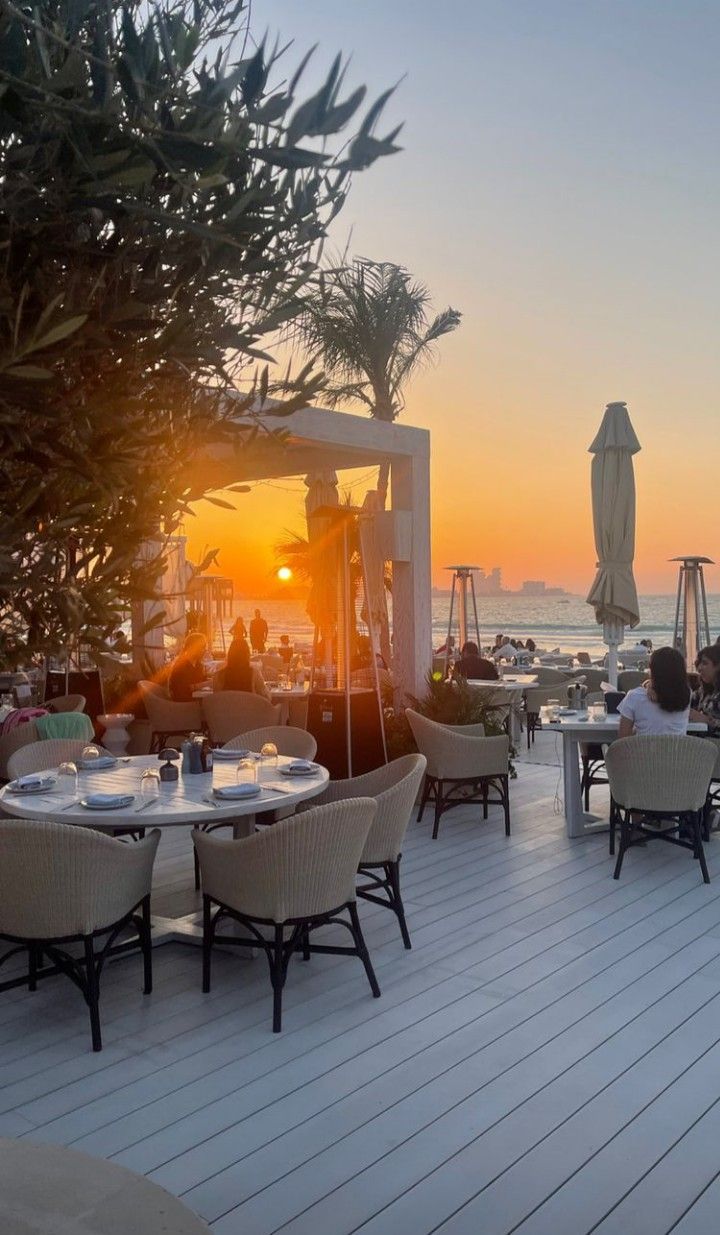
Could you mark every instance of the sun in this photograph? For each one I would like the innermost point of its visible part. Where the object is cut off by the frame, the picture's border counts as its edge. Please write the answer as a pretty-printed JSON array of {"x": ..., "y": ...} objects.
[{"x": 284, "y": 574}]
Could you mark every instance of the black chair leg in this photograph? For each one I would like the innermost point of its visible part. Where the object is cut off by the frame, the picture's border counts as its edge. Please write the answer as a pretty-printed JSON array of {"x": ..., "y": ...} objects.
[
  {"x": 305, "y": 943},
  {"x": 438, "y": 808},
  {"x": 146, "y": 944},
  {"x": 277, "y": 977},
  {"x": 197, "y": 864},
  {"x": 32, "y": 966},
  {"x": 208, "y": 933},
  {"x": 92, "y": 994},
  {"x": 585, "y": 782},
  {"x": 613, "y": 811},
  {"x": 699, "y": 850},
  {"x": 424, "y": 798},
  {"x": 362, "y": 949},
  {"x": 505, "y": 792},
  {"x": 624, "y": 828},
  {"x": 485, "y": 799},
  {"x": 393, "y": 874}
]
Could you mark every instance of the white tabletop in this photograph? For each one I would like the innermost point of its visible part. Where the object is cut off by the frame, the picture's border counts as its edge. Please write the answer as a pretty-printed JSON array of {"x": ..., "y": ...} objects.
[
  {"x": 519, "y": 681},
  {"x": 277, "y": 693},
  {"x": 185, "y": 801},
  {"x": 596, "y": 729}
]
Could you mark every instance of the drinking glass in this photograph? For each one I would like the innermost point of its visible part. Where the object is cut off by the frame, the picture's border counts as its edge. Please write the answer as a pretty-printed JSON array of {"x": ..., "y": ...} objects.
[
  {"x": 597, "y": 711},
  {"x": 246, "y": 772},
  {"x": 7, "y": 699},
  {"x": 269, "y": 754},
  {"x": 90, "y": 753},
  {"x": 67, "y": 774},
  {"x": 150, "y": 785}
]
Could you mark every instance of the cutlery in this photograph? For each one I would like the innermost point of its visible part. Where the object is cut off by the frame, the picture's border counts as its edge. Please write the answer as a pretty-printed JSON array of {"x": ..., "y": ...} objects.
[
  {"x": 277, "y": 789},
  {"x": 75, "y": 802},
  {"x": 211, "y": 802},
  {"x": 145, "y": 805}
]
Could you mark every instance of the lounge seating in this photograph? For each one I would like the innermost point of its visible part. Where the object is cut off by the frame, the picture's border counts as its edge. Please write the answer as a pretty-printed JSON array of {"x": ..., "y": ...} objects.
[
  {"x": 394, "y": 787},
  {"x": 167, "y": 718},
  {"x": 293, "y": 877},
  {"x": 61, "y": 885},
  {"x": 230, "y": 712},
  {"x": 659, "y": 787},
  {"x": 548, "y": 676},
  {"x": 461, "y": 768}
]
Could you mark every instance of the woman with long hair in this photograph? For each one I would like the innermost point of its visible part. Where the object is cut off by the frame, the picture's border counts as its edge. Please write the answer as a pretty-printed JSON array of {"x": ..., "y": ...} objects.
[
  {"x": 662, "y": 704},
  {"x": 705, "y": 701},
  {"x": 239, "y": 673},
  {"x": 186, "y": 672}
]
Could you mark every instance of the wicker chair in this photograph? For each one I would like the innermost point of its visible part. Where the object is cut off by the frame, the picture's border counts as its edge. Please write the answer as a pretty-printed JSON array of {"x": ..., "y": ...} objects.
[
  {"x": 535, "y": 698},
  {"x": 44, "y": 754},
  {"x": 293, "y": 877},
  {"x": 659, "y": 787},
  {"x": 21, "y": 735},
  {"x": 296, "y": 743},
  {"x": 167, "y": 718},
  {"x": 628, "y": 679},
  {"x": 394, "y": 788},
  {"x": 548, "y": 676},
  {"x": 230, "y": 712},
  {"x": 66, "y": 703},
  {"x": 458, "y": 762},
  {"x": 62, "y": 885}
]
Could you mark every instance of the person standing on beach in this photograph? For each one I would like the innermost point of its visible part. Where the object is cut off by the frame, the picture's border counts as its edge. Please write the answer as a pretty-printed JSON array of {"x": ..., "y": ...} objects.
[
  {"x": 258, "y": 632},
  {"x": 238, "y": 629}
]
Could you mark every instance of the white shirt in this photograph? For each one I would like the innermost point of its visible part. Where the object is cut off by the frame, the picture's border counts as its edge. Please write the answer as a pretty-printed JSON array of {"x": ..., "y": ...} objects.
[
  {"x": 648, "y": 717},
  {"x": 507, "y": 651}
]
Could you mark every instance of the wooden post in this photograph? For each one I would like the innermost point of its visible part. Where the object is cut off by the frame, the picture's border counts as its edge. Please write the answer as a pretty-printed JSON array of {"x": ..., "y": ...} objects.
[{"x": 411, "y": 595}]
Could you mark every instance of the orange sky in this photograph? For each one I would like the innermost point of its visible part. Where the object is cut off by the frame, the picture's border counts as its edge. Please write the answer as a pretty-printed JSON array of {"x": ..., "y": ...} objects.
[{"x": 560, "y": 190}]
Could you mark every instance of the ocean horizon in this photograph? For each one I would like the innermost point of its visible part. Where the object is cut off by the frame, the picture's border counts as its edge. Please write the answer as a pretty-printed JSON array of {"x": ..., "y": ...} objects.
[{"x": 565, "y": 621}]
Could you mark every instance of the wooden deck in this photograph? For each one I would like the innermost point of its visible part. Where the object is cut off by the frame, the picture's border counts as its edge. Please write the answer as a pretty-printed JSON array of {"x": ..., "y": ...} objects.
[{"x": 545, "y": 1060}]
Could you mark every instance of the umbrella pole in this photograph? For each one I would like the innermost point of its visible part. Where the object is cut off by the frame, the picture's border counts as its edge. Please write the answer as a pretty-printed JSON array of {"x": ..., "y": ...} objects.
[{"x": 613, "y": 634}]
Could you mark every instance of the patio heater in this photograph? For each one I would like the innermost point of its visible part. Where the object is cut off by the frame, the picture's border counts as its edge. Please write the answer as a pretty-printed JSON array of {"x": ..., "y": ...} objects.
[
  {"x": 462, "y": 577},
  {"x": 692, "y": 628},
  {"x": 345, "y": 720}
]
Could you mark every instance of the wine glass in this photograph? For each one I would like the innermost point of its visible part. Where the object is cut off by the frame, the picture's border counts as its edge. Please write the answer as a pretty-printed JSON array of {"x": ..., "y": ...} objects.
[
  {"x": 90, "y": 754},
  {"x": 67, "y": 775},
  {"x": 246, "y": 772},
  {"x": 150, "y": 785}
]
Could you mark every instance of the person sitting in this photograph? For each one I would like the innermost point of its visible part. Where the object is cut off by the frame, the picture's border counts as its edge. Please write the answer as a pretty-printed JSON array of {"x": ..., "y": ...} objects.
[
  {"x": 499, "y": 641},
  {"x": 474, "y": 666},
  {"x": 186, "y": 672},
  {"x": 660, "y": 705},
  {"x": 448, "y": 646},
  {"x": 285, "y": 651},
  {"x": 530, "y": 645},
  {"x": 705, "y": 700},
  {"x": 506, "y": 651},
  {"x": 239, "y": 674}
]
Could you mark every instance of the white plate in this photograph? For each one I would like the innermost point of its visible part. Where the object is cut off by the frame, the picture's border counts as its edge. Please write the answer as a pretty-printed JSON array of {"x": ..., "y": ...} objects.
[
  {"x": 121, "y": 803},
  {"x": 14, "y": 787}
]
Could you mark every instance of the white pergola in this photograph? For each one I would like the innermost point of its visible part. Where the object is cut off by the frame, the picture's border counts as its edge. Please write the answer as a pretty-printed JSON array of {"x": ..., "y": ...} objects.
[{"x": 319, "y": 441}]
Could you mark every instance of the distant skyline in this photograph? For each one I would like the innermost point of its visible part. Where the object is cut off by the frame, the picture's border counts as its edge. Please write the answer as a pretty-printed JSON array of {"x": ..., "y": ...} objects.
[{"x": 559, "y": 185}]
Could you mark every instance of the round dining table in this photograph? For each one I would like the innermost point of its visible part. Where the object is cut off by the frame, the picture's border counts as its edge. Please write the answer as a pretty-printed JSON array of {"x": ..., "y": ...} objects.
[{"x": 185, "y": 802}]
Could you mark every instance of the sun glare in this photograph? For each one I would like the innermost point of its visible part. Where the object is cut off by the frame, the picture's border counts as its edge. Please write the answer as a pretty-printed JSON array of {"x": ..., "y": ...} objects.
[{"x": 284, "y": 574}]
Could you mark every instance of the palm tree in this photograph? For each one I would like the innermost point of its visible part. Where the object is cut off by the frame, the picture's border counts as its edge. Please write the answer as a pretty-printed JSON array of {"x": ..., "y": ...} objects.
[{"x": 368, "y": 324}]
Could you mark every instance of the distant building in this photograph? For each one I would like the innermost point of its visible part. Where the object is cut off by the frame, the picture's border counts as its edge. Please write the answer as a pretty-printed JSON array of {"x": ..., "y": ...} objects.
[
  {"x": 533, "y": 587},
  {"x": 489, "y": 585}
]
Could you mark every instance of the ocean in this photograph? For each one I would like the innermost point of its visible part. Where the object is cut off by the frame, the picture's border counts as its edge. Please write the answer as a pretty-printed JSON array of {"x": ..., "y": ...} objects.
[{"x": 566, "y": 622}]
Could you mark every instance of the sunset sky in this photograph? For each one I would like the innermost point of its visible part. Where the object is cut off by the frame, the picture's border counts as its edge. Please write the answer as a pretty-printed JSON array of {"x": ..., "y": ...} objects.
[{"x": 559, "y": 184}]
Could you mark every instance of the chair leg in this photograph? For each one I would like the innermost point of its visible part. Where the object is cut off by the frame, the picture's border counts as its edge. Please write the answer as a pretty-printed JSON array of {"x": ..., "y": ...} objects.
[
  {"x": 624, "y": 829},
  {"x": 92, "y": 994},
  {"x": 146, "y": 944},
  {"x": 277, "y": 977},
  {"x": 585, "y": 782},
  {"x": 362, "y": 949},
  {"x": 393, "y": 874},
  {"x": 505, "y": 793},
  {"x": 305, "y": 942},
  {"x": 613, "y": 812},
  {"x": 208, "y": 933},
  {"x": 438, "y": 808},
  {"x": 424, "y": 798},
  {"x": 197, "y": 863},
  {"x": 697, "y": 828},
  {"x": 485, "y": 799}
]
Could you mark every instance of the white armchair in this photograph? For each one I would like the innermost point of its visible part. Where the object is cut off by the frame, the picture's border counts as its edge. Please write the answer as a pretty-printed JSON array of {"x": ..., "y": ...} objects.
[{"x": 461, "y": 769}]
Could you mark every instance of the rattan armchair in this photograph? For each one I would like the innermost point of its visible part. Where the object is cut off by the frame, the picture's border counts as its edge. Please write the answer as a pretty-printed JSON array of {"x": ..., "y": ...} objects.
[
  {"x": 61, "y": 885},
  {"x": 41, "y": 755},
  {"x": 535, "y": 698},
  {"x": 167, "y": 718},
  {"x": 66, "y": 703},
  {"x": 230, "y": 712},
  {"x": 293, "y": 877},
  {"x": 659, "y": 786},
  {"x": 394, "y": 787},
  {"x": 461, "y": 769},
  {"x": 296, "y": 743}
]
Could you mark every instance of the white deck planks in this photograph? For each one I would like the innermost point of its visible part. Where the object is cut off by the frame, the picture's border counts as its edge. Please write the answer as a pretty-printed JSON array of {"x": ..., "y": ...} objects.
[{"x": 543, "y": 1061}]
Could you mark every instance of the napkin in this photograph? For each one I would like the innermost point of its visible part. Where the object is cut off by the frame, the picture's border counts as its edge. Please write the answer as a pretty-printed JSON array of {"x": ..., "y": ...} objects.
[
  {"x": 105, "y": 761},
  {"x": 300, "y": 765},
  {"x": 31, "y": 782},
  {"x": 222, "y": 753},
  {"x": 108, "y": 800},
  {"x": 233, "y": 792}
]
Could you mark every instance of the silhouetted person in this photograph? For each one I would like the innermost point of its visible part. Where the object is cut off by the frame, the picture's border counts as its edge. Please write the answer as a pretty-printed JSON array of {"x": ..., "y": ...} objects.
[
  {"x": 472, "y": 665},
  {"x": 258, "y": 632},
  {"x": 186, "y": 671}
]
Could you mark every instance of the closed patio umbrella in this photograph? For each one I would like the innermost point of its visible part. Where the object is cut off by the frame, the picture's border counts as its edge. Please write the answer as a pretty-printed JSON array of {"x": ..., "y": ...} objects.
[{"x": 613, "y": 594}]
